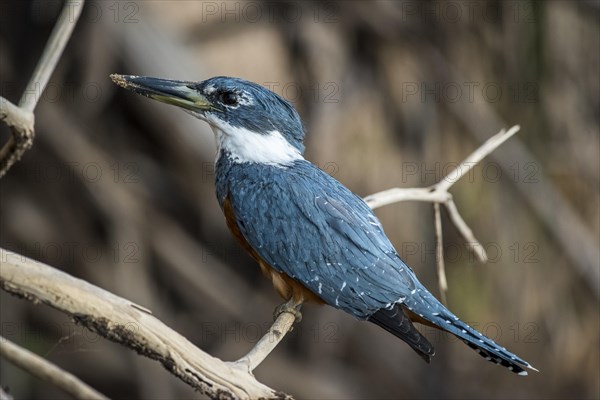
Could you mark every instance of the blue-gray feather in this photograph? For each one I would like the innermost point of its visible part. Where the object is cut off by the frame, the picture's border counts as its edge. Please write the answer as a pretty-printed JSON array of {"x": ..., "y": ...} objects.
[{"x": 308, "y": 226}]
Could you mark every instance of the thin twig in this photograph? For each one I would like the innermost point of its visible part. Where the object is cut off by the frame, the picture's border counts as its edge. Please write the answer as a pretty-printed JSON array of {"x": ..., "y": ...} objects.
[
  {"x": 282, "y": 325},
  {"x": 396, "y": 195},
  {"x": 470, "y": 241},
  {"x": 437, "y": 194},
  {"x": 484, "y": 150},
  {"x": 52, "y": 52},
  {"x": 439, "y": 253},
  {"x": 14, "y": 116},
  {"x": 21, "y": 138},
  {"x": 21, "y": 119},
  {"x": 47, "y": 371}
]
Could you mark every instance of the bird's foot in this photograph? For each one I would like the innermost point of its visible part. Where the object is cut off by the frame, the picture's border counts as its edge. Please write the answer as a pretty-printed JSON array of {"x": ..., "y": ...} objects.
[{"x": 291, "y": 307}]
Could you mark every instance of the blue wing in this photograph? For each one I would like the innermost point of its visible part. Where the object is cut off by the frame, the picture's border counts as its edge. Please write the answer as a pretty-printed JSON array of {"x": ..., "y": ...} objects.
[{"x": 307, "y": 225}]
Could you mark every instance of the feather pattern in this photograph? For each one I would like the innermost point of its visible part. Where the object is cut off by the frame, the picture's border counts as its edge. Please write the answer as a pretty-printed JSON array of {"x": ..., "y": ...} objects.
[{"x": 308, "y": 226}]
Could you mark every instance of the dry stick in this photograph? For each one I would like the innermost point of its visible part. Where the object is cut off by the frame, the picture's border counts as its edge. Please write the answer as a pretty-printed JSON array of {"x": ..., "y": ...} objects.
[
  {"x": 439, "y": 253},
  {"x": 483, "y": 151},
  {"x": 438, "y": 193},
  {"x": 15, "y": 117},
  {"x": 467, "y": 234},
  {"x": 21, "y": 138},
  {"x": 52, "y": 52},
  {"x": 469, "y": 163},
  {"x": 21, "y": 119},
  {"x": 282, "y": 325},
  {"x": 575, "y": 238},
  {"x": 396, "y": 195},
  {"x": 47, "y": 371},
  {"x": 124, "y": 322}
]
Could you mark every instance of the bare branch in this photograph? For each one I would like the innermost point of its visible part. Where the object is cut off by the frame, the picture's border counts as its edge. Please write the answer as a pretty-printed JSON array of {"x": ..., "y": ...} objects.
[
  {"x": 485, "y": 149},
  {"x": 282, "y": 325},
  {"x": 52, "y": 52},
  {"x": 47, "y": 371},
  {"x": 21, "y": 119},
  {"x": 471, "y": 242},
  {"x": 396, "y": 195},
  {"x": 14, "y": 116},
  {"x": 437, "y": 194},
  {"x": 439, "y": 253},
  {"x": 124, "y": 322},
  {"x": 22, "y": 133}
]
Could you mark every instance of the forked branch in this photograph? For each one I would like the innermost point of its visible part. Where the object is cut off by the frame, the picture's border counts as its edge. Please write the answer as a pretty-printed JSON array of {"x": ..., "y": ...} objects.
[
  {"x": 20, "y": 118},
  {"x": 438, "y": 194}
]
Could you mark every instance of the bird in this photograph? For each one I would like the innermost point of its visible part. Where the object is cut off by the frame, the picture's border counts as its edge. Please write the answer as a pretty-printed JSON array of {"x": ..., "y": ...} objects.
[{"x": 312, "y": 237}]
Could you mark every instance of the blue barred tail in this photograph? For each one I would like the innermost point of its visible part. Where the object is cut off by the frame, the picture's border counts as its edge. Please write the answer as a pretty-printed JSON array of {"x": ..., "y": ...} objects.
[{"x": 423, "y": 304}]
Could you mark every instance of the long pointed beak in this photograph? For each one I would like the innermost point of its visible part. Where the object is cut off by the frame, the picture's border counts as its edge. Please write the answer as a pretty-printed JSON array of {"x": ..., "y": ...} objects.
[{"x": 177, "y": 93}]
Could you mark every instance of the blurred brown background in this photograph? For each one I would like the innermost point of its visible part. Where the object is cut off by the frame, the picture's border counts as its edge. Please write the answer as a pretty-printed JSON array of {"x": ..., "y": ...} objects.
[{"x": 118, "y": 190}]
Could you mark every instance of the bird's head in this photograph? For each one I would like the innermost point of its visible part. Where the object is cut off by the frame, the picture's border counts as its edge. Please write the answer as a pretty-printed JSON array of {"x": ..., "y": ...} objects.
[{"x": 251, "y": 123}]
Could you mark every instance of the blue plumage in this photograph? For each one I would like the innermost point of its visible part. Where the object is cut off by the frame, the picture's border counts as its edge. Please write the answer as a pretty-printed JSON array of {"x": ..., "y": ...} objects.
[
  {"x": 308, "y": 231},
  {"x": 305, "y": 224}
]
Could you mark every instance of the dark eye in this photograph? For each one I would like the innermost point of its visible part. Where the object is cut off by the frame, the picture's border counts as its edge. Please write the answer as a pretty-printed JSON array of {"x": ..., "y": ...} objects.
[{"x": 229, "y": 98}]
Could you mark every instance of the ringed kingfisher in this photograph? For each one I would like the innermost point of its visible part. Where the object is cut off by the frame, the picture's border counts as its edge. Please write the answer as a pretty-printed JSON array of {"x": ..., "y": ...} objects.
[{"x": 311, "y": 236}]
